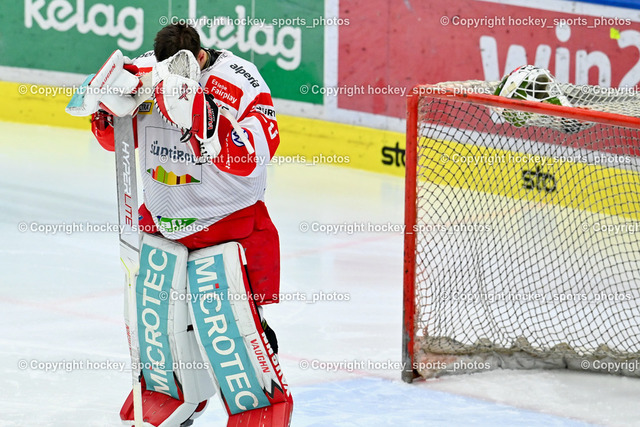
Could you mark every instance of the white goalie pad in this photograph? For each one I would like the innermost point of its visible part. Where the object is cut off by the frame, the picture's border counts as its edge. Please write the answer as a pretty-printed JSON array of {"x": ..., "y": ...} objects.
[
  {"x": 229, "y": 332},
  {"x": 170, "y": 361}
]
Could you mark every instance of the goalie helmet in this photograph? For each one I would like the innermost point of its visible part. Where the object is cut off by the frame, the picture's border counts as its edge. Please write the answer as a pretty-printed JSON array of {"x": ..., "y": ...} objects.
[{"x": 532, "y": 84}]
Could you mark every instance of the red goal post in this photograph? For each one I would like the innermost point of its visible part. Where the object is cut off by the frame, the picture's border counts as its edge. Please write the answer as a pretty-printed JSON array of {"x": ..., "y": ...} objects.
[{"x": 436, "y": 116}]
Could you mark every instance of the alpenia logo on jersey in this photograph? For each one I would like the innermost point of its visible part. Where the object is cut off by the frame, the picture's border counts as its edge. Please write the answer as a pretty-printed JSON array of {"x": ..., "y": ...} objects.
[
  {"x": 239, "y": 69},
  {"x": 100, "y": 19},
  {"x": 249, "y": 34}
]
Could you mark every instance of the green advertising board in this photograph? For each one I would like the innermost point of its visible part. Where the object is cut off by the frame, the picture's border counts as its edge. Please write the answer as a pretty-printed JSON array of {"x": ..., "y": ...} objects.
[{"x": 78, "y": 35}]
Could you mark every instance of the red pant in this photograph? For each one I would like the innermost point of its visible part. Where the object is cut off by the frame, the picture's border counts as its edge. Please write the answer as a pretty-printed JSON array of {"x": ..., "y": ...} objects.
[{"x": 253, "y": 229}]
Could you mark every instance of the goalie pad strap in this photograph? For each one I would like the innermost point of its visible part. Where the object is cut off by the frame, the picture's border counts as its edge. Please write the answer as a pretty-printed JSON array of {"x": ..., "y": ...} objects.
[{"x": 229, "y": 331}]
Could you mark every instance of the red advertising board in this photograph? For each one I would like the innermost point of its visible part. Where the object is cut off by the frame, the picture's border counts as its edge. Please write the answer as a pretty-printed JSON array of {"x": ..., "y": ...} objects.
[{"x": 388, "y": 47}]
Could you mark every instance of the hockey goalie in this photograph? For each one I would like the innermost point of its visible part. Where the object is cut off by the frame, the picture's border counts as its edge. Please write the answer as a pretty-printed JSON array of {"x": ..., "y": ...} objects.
[{"x": 205, "y": 128}]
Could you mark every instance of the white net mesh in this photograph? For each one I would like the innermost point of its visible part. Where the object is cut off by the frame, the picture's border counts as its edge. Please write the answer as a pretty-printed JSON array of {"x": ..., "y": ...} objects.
[{"x": 527, "y": 236}]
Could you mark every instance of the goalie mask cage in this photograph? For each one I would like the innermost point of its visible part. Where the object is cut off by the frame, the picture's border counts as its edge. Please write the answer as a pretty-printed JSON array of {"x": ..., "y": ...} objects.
[{"x": 522, "y": 231}]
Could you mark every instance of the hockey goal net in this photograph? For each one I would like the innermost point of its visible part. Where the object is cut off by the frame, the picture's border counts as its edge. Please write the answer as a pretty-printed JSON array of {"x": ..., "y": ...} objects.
[{"x": 522, "y": 242}]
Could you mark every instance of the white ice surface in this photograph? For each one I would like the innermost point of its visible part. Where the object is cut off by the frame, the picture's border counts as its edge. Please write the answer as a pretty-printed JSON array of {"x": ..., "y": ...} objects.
[{"x": 62, "y": 301}]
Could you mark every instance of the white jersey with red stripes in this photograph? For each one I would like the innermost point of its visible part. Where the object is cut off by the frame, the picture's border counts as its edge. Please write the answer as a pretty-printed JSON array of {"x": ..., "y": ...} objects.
[{"x": 185, "y": 196}]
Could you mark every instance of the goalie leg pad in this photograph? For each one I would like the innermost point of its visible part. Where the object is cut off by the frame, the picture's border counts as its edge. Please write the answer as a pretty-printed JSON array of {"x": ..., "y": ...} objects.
[
  {"x": 175, "y": 378},
  {"x": 228, "y": 329}
]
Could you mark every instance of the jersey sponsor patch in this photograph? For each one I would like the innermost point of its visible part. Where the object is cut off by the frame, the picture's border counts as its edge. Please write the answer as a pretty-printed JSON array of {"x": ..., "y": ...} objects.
[
  {"x": 171, "y": 225},
  {"x": 224, "y": 92},
  {"x": 239, "y": 69},
  {"x": 146, "y": 107},
  {"x": 267, "y": 110},
  {"x": 168, "y": 161},
  {"x": 236, "y": 138},
  {"x": 262, "y": 104}
]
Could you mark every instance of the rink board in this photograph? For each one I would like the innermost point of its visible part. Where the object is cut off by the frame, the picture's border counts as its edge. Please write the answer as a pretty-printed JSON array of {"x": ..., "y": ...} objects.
[
  {"x": 306, "y": 141},
  {"x": 555, "y": 180}
]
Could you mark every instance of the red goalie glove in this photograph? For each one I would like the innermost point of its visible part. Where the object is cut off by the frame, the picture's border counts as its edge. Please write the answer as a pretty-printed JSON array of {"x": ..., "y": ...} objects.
[
  {"x": 182, "y": 101},
  {"x": 102, "y": 128}
]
